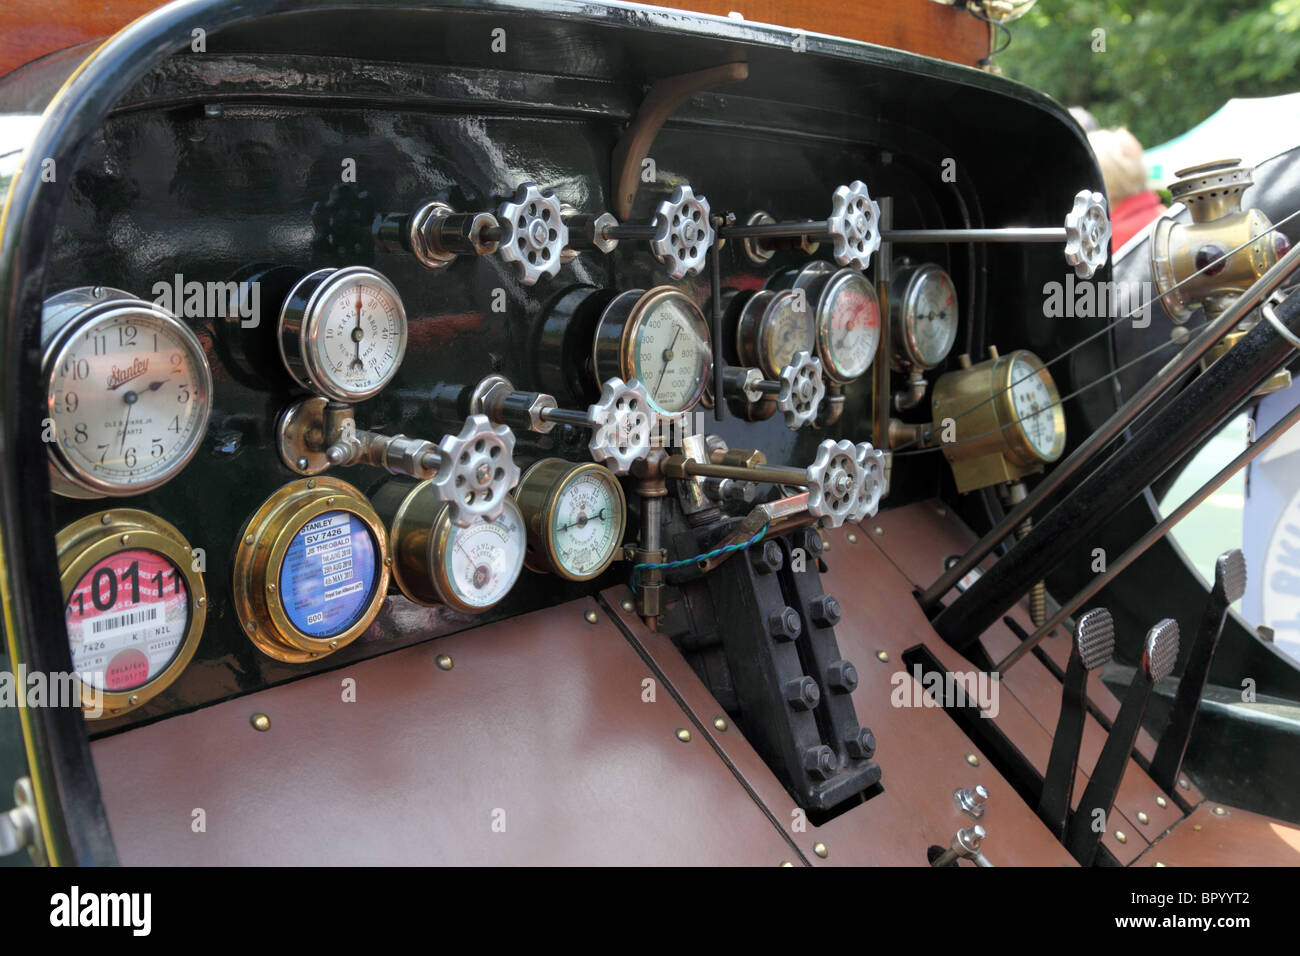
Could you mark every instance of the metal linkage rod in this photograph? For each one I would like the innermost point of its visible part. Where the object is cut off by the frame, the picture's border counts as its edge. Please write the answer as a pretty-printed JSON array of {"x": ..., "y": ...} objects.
[
  {"x": 1059, "y": 477},
  {"x": 818, "y": 229},
  {"x": 1200, "y": 410},
  {"x": 1010, "y": 234},
  {"x": 1113, "y": 568}
]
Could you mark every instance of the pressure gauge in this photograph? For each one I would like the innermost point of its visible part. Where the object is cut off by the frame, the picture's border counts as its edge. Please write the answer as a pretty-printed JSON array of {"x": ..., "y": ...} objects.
[
  {"x": 846, "y": 316},
  {"x": 342, "y": 333},
  {"x": 310, "y": 572},
  {"x": 923, "y": 315},
  {"x": 575, "y": 515},
  {"x": 127, "y": 388},
  {"x": 659, "y": 338},
  {"x": 771, "y": 328},
  {"x": 133, "y": 604},
  {"x": 435, "y": 561},
  {"x": 999, "y": 420}
]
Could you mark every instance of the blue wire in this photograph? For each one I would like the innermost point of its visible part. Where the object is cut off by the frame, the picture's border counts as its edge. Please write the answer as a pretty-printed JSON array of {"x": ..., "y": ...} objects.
[{"x": 716, "y": 552}]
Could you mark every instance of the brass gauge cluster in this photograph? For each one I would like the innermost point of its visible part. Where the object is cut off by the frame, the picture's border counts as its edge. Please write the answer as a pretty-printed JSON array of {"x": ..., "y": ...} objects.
[
  {"x": 311, "y": 570},
  {"x": 134, "y": 607},
  {"x": 845, "y": 316},
  {"x": 575, "y": 515},
  {"x": 999, "y": 420}
]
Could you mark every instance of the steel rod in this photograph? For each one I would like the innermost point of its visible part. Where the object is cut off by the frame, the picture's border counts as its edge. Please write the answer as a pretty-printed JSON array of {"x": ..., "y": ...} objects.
[
  {"x": 1056, "y": 479},
  {"x": 631, "y": 233},
  {"x": 777, "y": 230},
  {"x": 566, "y": 416},
  {"x": 1113, "y": 568},
  {"x": 715, "y": 328},
  {"x": 1010, "y": 234}
]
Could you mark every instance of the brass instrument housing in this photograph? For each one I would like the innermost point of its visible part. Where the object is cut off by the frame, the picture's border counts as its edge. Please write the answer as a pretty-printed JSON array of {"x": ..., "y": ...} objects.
[
  {"x": 989, "y": 445},
  {"x": 1212, "y": 194},
  {"x": 263, "y": 542},
  {"x": 537, "y": 494},
  {"x": 87, "y": 541}
]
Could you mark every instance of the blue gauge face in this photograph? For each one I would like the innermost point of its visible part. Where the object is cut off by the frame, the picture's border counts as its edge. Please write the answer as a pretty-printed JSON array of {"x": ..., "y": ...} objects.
[{"x": 328, "y": 575}]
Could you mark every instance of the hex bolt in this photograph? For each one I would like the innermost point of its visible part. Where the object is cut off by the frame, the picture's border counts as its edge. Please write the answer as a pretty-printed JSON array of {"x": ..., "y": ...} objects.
[
  {"x": 819, "y": 762},
  {"x": 861, "y": 744},
  {"x": 972, "y": 800},
  {"x": 825, "y": 611},
  {"x": 802, "y": 693},
  {"x": 767, "y": 559},
  {"x": 784, "y": 625},
  {"x": 843, "y": 676},
  {"x": 812, "y": 543}
]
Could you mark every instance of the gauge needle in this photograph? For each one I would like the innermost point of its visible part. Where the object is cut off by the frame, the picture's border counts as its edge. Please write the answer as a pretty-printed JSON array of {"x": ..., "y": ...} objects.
[
  {"x": 357, "y": 333},
  {"x": 668, "y": 357},
  {"x": 598, "y": 516}
]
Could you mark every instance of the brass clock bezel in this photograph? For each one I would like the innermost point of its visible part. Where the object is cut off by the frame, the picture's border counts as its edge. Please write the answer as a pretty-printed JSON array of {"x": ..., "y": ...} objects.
[
  {"x": 259, "y": 559},
  {"x": 89, "y": 540},
  {"x": 537, "y": 495}
]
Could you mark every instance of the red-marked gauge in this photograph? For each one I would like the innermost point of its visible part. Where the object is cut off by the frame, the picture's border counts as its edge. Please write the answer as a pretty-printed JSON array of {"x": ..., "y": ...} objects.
[
  {"x": 848, "y": 326},
  {"x": 133, "y": 606}
]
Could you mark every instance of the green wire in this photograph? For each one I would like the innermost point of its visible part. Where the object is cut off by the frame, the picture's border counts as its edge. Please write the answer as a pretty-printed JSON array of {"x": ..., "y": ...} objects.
[{"x": 716, "y": 552}]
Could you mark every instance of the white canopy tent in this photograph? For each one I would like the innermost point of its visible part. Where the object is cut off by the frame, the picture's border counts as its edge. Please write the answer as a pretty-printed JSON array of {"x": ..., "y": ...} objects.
[{"x": 1251, "y": 130}]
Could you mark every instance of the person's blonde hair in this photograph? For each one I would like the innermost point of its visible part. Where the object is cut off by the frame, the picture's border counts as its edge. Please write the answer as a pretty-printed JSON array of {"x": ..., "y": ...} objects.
[{"x": 1119, "y": 155}]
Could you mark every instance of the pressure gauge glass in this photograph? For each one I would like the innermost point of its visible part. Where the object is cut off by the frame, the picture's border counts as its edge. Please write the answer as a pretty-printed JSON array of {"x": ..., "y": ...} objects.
[
  {"x": 343, "y": 333},
  {"x": 128, "y": 389},
  {"x": 771, "y": 328},
  {"x": 661, "y": 339},
  {"x": 1037, "y": 407},
  {"x": 848, "y": 326},
  {"x": 575, "y": 514},
  {"x": 925, "y": 316},
  {"x": 481, "y": 562}
]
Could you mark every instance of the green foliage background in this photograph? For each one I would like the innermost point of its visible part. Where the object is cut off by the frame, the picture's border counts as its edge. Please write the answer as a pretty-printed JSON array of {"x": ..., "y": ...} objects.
[{"x": 1167, "y": 65}]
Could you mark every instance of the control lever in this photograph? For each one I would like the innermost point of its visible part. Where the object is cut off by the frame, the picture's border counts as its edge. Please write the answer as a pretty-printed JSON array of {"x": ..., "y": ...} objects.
[
  {"x": 1158, "y": 656},
  {"x": 1094, "y": 643},
  {"x": 472, "y": 471},
  {"x": 1229, "y": 586},
  {"x": 528, "y": 232},
  {"x": 680, "y": 232},
  {"x": 622, "y": 421},
  {"x": 799, "y": 389},
  {"x": 853, "y": 226},
  {"x": 966, "y": 846}
]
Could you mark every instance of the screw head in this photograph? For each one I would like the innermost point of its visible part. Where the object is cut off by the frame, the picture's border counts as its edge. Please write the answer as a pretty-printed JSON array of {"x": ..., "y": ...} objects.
[
  {"x": 1121, "y": 836},
  {"x": 820, "y": 849},
  {"x": 444, "y": 662},
  {"x": 628, "y": 606},
  {"x": 1183, "y": 784},
  {"x": 852, "y": 538},
  {"x": 1142, "y": 817},
  {"x": 683, "y": 735},
  {"x": 973, "y": 760},
  {"x": 260, "y": 722},
  {"x": 591, "y": 617},
  {"x": 1219, "y": 812},
  {"x": 1161, "y": 802},
  {"x": 882, "y": 656},
  {"x": 720, "y": 724}
]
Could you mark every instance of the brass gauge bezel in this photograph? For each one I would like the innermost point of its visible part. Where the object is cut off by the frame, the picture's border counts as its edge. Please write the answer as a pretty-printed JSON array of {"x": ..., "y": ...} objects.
[
  {"x": 299, "y": 325},
  {"x": 65, "y": 317},
  {"x": 614, "y": 348},
  {"x": 259, "y": 559},
  {"x": 1022, "y": 449},
  {"x": 89, "y": 540},
  {"x": 832, "y": 370},
  {"x": 538, "y": 493},
  {"x": 907, "y": 285},
  {"x": 757, "y": 324},
  {"x": 420, "y": 527}
]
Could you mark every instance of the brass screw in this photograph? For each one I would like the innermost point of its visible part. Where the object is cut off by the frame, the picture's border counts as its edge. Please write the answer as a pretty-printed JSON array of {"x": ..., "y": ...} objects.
[
  {"x": 720, "y": 724},
  {"x": 302, "y": 464},
  {"x": 248, "y": 539},
  {"x": 444, "y": 662},
  {"x": 271, "y": 587},
  {"x": 826, "y": 545},
  {"x": 330, "y": 500},
  {"x": 941, "y": 512},
  {"x": 133, "y": 699},
  {"x": 882, "y": 656},
  {"x": 202, "y": 602},
  {"x": 106, "y": 519},
  {"x": 591, "y": 617},
  {"x": 683, "y": 735},
  {"x": 1183, "y": 784},
  {"x": 853, "y": 538},
  {"x": 260, "y": 722},
  {"x": 1143, "y": 818},
  {"x": 126, "y": 539},
  {"x": 878, "y": 531},
  {"x": 973, "y": 760},
  {"x": 1196, "y": 827},
  {"x": 786, "y": 863},
  {"x": 628, "y": 606},
  {"x": 311, "y": 483},
  {"x": 1220, "y": 812},
  {"x": 1161, "y": 802},
  {"x": 334, "y": 645},
  {"x": 820, "y": 849},
  {"x": 1121, "y": 836},
  {"x": 1157, "y": 863}
]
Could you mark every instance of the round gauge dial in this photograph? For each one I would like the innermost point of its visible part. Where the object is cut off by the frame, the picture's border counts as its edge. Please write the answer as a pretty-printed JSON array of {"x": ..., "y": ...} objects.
[
  {"x": 343, "y": 333},
  {"x": 661, "y": 339},
  {"x": 481, "y": 562},
  {"x": 133, "y": 607},
  {"x": 1037, "y": 407},
  {"x": 128, "y": 390},
  {"x": 925, "y": 317},
  {"x": 780, "y": 325},
  {"x": 575, "y": 514},
  {"x": 848, "y": 326}
]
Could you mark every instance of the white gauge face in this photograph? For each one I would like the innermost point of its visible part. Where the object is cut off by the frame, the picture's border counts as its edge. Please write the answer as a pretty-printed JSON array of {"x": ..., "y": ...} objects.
[
  {"x": 356, "y": 330},
  {"x": 783, "y": 331},
  {"x": 129, "y": 395},
  {"x": 671, "y": 353},
  {"x": 587, "y": 523},
  {"x": 483, "y": 561},
  {"x": 1036, "y": 409},
  {"x": 930, "y": 316},
  {"x": 848, "y": 325}
]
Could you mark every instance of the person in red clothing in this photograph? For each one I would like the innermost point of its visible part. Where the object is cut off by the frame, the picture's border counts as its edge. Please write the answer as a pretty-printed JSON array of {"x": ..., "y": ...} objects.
[{"x": 1132, "y": 205}]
